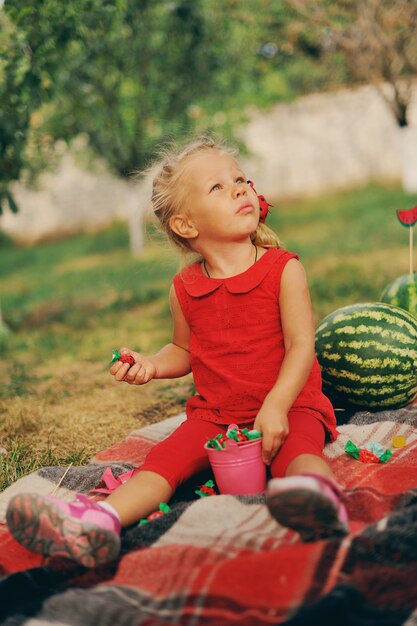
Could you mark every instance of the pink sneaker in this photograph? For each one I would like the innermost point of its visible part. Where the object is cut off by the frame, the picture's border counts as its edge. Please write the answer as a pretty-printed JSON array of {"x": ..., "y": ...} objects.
[
  {"x": 310, "y": 504},
  {"x": 82, "y": 531}
]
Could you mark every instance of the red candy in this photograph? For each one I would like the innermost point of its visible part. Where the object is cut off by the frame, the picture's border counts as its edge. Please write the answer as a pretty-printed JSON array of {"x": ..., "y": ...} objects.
[
  {"x": 365, "y": 456},
  {"x": 155, "y": 515},
  {"x": 163, "y": 509},
  {"x": 127, "y": 358},
  {"x": 209, "y": 491},
  {"x": 206, "y": 490},
  {"x": 222, "y": 439}
]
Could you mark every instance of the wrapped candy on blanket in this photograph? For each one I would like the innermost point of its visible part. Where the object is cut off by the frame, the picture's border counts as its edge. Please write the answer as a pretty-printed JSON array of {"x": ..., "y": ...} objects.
[
  {"x": 208, "y": 489},
  {"x": 372, "y": 452},
  {"x": 163, "y": 510}
]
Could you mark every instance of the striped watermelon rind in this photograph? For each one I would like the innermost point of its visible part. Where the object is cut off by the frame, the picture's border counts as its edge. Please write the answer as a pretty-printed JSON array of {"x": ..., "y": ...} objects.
[
  {"x": 402, "y": 292},
  {"x": 368, "y": 356}
]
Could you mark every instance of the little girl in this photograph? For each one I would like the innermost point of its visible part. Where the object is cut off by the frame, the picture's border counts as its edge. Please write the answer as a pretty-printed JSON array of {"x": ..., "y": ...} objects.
[{"x": 243, "y": 325}]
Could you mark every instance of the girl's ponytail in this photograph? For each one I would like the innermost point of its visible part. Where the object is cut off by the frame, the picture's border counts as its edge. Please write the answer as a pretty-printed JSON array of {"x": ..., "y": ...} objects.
[{"x": 265, "y": 237}]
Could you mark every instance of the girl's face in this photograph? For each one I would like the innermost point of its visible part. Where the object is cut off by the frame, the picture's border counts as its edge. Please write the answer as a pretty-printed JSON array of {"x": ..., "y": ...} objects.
[{"x": 218, "y": 201}]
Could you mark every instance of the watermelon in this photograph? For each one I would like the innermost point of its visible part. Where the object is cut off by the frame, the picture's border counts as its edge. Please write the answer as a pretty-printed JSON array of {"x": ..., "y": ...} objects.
[
  {"x": 408, "y": 217},
  {"x": 368, "y": 356},
  {"x": 402, "y": 292}
]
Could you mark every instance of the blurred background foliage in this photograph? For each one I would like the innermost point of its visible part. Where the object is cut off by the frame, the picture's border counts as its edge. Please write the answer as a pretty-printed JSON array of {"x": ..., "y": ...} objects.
[{"x": 130, "y": 74}]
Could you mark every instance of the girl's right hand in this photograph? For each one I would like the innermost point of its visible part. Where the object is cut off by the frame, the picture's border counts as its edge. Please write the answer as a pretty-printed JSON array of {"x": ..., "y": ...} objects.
[{"x": 140, "y": 373}]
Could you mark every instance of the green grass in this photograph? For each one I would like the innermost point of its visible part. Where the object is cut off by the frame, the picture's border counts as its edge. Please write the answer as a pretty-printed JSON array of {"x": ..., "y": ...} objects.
[
  {"x": 20, "y": 461},
  {"x": 351, "y": 243},
  {"x": 73, "y": 284},
  {"x": 69, "y": 302}
]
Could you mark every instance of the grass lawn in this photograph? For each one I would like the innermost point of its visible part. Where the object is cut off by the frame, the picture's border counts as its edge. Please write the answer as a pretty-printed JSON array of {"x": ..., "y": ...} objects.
[{"x": 69, "y": 302}]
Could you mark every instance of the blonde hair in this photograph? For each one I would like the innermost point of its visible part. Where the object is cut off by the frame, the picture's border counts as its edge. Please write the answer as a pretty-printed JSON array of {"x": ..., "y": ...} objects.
[{"x": 168, "y": 194}]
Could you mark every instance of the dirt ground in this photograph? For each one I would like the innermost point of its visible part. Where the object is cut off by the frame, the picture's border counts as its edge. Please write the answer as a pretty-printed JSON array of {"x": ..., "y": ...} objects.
[
  {"x": 87, "y": 409},
  {"x": 90, "y": 412}
]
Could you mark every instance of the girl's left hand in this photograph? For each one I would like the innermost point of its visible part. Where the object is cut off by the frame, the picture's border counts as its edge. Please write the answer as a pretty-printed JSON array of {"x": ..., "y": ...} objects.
[{"x": 273, "y": 424}]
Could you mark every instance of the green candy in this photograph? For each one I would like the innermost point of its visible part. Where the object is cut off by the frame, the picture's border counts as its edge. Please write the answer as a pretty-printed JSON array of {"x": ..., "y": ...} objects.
[
  {"x": 351, "y": 449},
  {"x": 115, "y": 356},
  {"x": 232, "y": 434},
  {"x": 386, "y": 456},
  {"x": 215, "y": 443}
]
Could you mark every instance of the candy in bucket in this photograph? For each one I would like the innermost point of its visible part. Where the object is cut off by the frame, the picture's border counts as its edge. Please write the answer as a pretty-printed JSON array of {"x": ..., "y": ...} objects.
[{"x": 236, "y": 461}]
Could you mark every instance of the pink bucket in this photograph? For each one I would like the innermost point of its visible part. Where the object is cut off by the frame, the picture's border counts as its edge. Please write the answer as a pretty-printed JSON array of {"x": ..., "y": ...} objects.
[{"x": 238, "y": 469}]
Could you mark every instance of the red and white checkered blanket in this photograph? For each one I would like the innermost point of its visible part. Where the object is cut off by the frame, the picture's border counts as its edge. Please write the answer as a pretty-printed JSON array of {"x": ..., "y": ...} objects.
[{"x": 222, "y": 560}]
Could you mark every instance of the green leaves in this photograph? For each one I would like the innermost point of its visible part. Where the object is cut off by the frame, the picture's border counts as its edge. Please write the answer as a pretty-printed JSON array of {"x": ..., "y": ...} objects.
[{"x": 127, "y": 74}]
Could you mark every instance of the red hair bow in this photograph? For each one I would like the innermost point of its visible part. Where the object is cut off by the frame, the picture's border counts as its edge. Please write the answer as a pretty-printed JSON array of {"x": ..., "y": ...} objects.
[{"x": 263, "y": 204}]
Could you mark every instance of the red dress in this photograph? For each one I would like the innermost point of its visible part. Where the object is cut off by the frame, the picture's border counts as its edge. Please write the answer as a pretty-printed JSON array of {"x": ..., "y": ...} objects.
[{"x": 237, "y": 343}]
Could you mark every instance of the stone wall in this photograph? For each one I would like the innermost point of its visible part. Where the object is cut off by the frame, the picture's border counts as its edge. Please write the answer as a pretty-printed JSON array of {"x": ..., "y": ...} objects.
[
  {"x": 318, "y": 143},
  {"x": 323, "y": 142},
  {"x": 68, "y": 199}
]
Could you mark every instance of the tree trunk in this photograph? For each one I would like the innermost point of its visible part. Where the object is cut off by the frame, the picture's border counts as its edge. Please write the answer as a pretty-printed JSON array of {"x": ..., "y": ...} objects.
[
  {"x": 4, "y": 329},
  {"x": 408, "y": 151},
  {"x": 139, "y": 205},
  {"x": 136, "y": 227}
]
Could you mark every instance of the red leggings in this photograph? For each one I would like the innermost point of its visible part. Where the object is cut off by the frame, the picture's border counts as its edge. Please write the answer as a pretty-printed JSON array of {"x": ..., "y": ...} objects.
[{"x": 182, "y": 453}]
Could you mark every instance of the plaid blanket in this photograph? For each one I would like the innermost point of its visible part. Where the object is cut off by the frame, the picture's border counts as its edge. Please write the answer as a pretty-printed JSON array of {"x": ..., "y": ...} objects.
[{"x": 222, "y": 560}]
